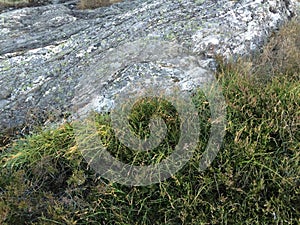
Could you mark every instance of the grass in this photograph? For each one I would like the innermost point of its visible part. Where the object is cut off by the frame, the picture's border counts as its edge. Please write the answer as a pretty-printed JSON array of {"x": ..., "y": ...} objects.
[
  {"x": 82, "y": 4},
  {"x": 13, "y": 3},
  {"x": 255, "y": 178},
  {"x": 21, "y": 3},
  {"x": 92, "y": 4}
]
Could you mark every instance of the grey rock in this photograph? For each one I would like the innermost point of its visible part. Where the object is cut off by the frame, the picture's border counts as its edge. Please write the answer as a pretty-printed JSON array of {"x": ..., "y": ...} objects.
[{"x": 55, "y": 59}]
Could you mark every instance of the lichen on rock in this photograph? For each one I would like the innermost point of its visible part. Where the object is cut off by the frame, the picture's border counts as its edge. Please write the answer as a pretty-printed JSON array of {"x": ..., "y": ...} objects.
[{"x": 56, "y": 59}]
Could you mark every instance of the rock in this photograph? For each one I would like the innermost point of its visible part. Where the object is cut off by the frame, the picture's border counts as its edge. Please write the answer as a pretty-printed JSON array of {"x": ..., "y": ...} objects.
[{"x": 56, "y": 60}]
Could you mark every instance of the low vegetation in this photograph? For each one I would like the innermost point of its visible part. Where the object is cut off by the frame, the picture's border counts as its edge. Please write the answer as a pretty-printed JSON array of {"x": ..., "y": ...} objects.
[
  {"x": 13, "y": 3},
  {"x": 255, "y": 178},
  {"x": 82, "y": 4},
  {"x": 92, "y": 4},
  {"x": 21, "y": 3}
]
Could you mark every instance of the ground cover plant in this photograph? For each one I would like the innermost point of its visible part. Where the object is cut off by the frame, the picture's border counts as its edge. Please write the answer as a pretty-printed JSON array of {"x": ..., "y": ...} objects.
[
  {"x": 82, "y": 4},
  {"x": 92, "y": 4},
  {"x": 21, "y": 3},
  {"x": 255, "y": 178},
  {"x": 13, "y": 2}
]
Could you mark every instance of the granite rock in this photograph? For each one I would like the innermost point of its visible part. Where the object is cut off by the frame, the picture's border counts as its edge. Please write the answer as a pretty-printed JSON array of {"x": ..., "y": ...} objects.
[{"x": 56, "y": 60}]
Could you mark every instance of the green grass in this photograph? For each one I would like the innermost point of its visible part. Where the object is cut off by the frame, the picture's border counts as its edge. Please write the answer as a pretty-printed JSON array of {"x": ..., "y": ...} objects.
[{"x": 255, "y": 178}]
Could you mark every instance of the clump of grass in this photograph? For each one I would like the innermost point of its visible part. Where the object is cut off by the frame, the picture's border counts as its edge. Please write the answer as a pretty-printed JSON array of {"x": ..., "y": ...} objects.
[
  {"x": 281, "y": 55},
  {"x": 21, "y": 3},
  {"x": 92, "y": 4},
  {"x": 255, "y": 177},
  {"x": 14, "y": 2},
  {"x": 139, "y": 120}
]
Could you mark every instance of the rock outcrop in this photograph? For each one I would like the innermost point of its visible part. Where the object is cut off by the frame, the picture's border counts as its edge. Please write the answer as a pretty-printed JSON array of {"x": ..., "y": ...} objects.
[{"x": 56, "y": 59}]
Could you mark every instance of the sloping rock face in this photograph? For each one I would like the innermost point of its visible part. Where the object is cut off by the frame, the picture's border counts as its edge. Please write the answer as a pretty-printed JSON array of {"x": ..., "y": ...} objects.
[{"x": 56, "y": 60}]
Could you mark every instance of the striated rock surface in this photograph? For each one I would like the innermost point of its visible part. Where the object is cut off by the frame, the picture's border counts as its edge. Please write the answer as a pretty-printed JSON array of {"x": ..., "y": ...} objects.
[{"x": 56, "y": 60}]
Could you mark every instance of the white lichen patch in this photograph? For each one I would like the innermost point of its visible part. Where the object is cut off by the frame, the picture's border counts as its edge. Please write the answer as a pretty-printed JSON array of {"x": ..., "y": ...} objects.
[{"x": 57, "y": 55}]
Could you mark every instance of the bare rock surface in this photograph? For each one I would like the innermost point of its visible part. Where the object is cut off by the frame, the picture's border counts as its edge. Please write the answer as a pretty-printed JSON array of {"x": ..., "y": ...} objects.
[{"x": 56, "y": 60}]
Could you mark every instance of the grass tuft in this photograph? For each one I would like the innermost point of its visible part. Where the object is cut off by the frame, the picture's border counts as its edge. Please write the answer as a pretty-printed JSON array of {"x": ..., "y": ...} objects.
[{"x": 92, "y": 4}]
